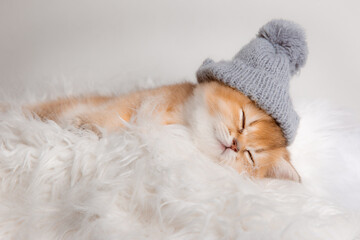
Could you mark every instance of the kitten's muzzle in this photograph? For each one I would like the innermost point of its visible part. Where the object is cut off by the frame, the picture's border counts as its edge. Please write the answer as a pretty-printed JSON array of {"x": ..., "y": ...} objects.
[{"x": 234, "y": 146}]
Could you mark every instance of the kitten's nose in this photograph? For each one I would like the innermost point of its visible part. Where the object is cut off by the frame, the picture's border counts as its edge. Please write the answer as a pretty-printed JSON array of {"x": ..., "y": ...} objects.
[{"x": 234, "y": 145}]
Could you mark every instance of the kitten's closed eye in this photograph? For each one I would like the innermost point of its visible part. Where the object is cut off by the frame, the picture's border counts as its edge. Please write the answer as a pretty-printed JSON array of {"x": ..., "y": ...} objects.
[
  {"x": 241, "y": 121},
  {"x": 249, "y": 157}
]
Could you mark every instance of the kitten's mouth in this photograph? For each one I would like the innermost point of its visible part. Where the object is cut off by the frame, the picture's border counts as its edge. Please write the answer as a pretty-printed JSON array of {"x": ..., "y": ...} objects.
[{"x": 223, "y": 147}]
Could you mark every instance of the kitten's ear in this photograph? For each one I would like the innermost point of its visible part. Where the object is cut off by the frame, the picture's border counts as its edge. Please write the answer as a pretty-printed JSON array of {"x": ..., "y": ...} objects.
[{"x": 283, "y": 169}]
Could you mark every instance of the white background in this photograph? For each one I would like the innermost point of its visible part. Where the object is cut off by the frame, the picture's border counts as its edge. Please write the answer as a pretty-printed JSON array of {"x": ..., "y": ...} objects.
[{"x": 42, "y": 41}]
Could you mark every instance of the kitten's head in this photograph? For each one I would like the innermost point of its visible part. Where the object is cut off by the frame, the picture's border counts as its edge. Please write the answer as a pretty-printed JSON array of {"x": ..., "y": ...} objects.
[{"x": 229, "y": 127}]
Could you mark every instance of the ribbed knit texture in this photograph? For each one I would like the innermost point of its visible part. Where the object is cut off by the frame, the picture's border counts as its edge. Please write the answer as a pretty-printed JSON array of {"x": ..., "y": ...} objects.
[{"x": 262, "y": 70}]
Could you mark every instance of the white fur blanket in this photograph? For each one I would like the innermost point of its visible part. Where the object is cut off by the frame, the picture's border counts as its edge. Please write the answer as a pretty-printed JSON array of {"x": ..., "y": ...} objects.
[{"x": 149, "y": 182}]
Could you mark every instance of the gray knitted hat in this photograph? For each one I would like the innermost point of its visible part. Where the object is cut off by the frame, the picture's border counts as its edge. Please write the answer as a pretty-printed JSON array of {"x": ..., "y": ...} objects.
[{"x": 262, "y": 70}]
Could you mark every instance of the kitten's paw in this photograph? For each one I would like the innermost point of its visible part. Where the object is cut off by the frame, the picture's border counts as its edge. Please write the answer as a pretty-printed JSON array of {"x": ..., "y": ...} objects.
[{"x": 82, "y": 123}]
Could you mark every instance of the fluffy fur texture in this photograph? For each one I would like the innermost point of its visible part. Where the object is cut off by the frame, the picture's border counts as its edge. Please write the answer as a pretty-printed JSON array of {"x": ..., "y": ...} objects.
[{"x": 149, "y": 182}]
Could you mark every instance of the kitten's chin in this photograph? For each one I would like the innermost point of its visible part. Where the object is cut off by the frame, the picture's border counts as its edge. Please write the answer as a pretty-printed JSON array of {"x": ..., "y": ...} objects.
[
  {"x": 227, "y": 156},
  {"x": 215, "y": 150},
  {"x": 212, "y": 149}
]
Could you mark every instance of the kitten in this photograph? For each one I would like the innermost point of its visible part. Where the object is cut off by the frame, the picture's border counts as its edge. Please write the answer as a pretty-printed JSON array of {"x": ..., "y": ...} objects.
[{"x": 225, "y": 124}]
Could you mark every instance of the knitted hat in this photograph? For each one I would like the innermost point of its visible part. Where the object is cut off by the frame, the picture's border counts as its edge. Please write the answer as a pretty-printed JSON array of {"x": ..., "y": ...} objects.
[{"x": 262, "y": 70}]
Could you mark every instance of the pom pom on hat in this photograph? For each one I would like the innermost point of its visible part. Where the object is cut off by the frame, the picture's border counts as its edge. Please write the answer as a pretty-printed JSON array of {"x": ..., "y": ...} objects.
[{"x": 288, "y": 38}]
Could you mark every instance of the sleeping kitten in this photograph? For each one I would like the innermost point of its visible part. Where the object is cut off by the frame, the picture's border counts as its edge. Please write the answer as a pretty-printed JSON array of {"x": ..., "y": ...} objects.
[{"x": 226, "y": 125}]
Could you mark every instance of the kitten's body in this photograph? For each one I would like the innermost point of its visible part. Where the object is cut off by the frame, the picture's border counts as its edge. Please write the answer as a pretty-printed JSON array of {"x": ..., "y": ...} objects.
[
  {"x": 105, "y": 111},
  {"x": 226, "y": 125}
]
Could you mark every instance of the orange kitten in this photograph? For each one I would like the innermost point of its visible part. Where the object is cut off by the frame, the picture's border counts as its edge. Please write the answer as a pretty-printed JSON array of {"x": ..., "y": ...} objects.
[{"x": 225, "y": 124}]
